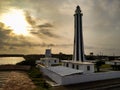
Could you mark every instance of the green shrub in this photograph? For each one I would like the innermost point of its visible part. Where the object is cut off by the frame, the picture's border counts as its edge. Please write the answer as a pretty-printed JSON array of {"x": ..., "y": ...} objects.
[{"x": 38, "y": 79}]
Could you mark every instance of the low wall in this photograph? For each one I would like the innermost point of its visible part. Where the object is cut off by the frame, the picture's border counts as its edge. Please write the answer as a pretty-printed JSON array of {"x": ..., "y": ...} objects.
[
  {"x": 74, "y": 79},
  {"x": 55, "y": 77}
]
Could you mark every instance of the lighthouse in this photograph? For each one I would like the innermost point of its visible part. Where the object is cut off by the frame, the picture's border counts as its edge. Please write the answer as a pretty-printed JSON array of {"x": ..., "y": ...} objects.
[
  {"x": 78, "y": 62},
  {"x": 72, "y": 71},
  {"x": 78, "y": 52}
]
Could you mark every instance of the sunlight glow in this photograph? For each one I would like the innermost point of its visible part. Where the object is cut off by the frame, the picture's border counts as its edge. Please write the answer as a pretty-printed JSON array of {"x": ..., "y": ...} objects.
[{"x": 15, "y": 20}]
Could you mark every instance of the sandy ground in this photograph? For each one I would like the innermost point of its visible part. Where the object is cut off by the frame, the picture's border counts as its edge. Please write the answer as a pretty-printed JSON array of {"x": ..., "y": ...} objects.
[{"x": 18, "y": 81}]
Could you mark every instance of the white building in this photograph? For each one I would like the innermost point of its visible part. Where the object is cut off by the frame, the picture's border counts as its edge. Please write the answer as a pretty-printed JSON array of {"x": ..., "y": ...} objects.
[
  {"x": 86, "y": 67},
  {"x": 113, "y": 62},
  {"x": 66, "y": 76},
  {"x": 48, "y": 60}
]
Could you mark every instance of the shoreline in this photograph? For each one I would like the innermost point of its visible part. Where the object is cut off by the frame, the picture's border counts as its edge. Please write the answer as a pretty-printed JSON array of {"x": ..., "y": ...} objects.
[{"x": 10, "y": 67}]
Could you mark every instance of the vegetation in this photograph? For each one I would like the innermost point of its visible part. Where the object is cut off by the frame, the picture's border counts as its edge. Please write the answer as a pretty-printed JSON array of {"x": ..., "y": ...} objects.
[
  {"x": 61, "y": 56},
  {"x": 35, "y": 74},
  {"x": 27, "y": 62},
  {"x": 98, "y": 64},
  {"x": 37, "y": 78},
  {"x": 106, "y": 66}
]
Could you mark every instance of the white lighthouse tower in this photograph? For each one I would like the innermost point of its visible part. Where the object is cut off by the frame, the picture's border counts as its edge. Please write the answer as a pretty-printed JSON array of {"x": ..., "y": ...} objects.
[
  {"x": 78, "y": 54},
  {"x": 78, "y": 61}
]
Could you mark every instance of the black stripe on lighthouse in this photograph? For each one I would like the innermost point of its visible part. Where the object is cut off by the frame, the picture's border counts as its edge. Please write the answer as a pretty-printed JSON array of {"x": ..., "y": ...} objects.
[
  {"x": 81, "y": 39},
  {"x": 77, "y": 39}
]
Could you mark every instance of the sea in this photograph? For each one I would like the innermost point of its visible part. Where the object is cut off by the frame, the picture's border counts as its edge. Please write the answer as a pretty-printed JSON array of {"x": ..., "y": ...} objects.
[
  {"x": 10, "y": 60},
  {"x": 4, "y": 61}
]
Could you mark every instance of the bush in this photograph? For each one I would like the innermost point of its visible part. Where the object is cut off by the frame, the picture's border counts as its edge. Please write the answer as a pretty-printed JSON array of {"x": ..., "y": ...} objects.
[
  {"x": 38, "y": 79},
  {"x": 27, "y": 62},
  {"x": 98, "y": 64},
  {"x": 35, "y": 73}
]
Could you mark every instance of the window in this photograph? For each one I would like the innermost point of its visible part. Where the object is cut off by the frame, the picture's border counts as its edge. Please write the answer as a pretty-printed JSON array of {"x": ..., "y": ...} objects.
[
  {"x": 73, "y": 66},
  {"x": 49, "y": 61},
  {"x": 88, "y": 68},
  {"x": 77, "y": 66},
  {"x": 66, "y": 64}
]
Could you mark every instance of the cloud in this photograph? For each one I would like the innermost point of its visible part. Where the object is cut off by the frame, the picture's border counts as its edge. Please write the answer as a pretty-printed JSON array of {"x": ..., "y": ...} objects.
[
  {"x": 29, "y": 19},
  {"x": 12, "y": 42},
  {"x": 106, "y": 18},
  {"x": 48, "y": 33},
  {"x": 9, "y": 40},
  {"x": 2, "y": 25},
  {"x": 44, "y": 34},
  {"x": 41, "y": 30},
  {"x": 4, "y": 33},
  {"x": 46, "y": 25},
  {"x": 101, "y": 23}
]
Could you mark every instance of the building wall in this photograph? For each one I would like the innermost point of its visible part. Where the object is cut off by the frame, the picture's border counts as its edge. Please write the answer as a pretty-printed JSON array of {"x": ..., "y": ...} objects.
[
  {"x": 55, "y": 77},
  {"x": 74, "y": 79},
  {"x": 48, "y": 61},
  {"x": 82, "y": 67}
]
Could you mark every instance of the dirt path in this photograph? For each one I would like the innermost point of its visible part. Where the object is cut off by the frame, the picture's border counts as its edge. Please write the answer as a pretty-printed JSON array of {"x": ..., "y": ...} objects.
[{"x": 18, "y": 81}]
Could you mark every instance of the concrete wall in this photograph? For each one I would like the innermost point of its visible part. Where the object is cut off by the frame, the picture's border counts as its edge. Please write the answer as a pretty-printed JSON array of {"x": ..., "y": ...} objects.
[
  {"x": 74, "y": 79},
  {"x": 90, "y": 77},
  {"x": 82, "y": 67},
  {"x": 48, "y": 61},
  {"x": 55, "y": 77}
]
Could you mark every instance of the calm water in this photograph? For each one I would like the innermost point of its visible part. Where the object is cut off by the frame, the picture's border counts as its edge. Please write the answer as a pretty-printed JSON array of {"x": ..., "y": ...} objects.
[{"x": 10, "y": 60}]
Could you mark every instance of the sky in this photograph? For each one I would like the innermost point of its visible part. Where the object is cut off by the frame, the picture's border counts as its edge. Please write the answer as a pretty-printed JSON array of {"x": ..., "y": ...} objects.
[{"x": 31, "y": 26}]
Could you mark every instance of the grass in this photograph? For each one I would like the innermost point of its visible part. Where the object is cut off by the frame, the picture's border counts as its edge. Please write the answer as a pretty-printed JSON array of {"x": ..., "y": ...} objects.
[
  {"x": 37, "y": 78},
  {"x": 106, "y": 66}
]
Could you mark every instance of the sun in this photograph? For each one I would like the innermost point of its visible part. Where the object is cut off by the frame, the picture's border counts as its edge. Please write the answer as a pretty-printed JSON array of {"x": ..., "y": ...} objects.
[{"x": 15, "y": 20}]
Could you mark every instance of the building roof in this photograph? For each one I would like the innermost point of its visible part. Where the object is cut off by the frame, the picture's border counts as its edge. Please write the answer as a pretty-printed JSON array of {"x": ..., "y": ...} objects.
[
  {"x": 76, "y": 62},
  {"x": 64, "y": 71}
]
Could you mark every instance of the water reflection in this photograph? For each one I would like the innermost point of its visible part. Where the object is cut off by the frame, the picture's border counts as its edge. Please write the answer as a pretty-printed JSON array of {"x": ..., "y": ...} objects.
[{"x": 10, "y": 60}]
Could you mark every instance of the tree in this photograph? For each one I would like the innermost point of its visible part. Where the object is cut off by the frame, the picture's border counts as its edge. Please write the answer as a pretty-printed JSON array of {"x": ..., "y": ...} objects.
[{"x": 98, "y": 64}]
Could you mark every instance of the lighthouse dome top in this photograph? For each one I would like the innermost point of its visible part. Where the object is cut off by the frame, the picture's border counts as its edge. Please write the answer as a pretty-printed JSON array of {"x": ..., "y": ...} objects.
[{"x": 78, "y": 10}]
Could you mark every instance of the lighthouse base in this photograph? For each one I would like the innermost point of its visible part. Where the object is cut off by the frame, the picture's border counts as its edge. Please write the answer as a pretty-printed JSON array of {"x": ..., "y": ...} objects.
[{"x": 86, "y": 67}]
